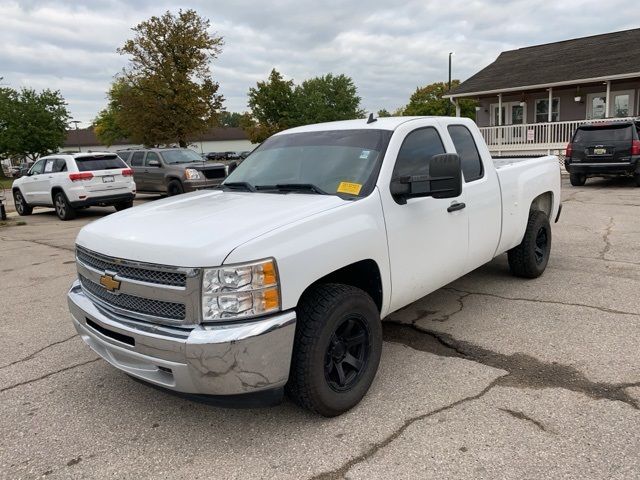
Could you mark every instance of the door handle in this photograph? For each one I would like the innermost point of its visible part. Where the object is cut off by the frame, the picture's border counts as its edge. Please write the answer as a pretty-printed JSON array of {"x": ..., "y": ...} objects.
[{"x": 455, "y": 207}]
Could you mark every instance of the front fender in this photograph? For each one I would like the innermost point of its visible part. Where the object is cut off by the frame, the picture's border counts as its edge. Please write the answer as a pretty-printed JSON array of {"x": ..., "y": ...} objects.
[{"x": 313, "y": 247}]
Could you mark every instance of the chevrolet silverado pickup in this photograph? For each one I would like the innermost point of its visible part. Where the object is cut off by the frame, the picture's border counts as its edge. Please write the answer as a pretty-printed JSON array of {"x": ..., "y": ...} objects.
[{"x": 278, "y": 280}]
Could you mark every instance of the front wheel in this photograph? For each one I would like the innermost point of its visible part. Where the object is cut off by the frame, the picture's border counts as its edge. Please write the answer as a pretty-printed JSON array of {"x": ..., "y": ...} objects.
[
  {"x": 530, "y": 258},
  {"x": 337, "y": 349},
  {"x": 577, "y": 179},
  {"x": 174, "y": 188},
  {"x": 64, "y": 210},
  {"x": 21, "y": 204}
]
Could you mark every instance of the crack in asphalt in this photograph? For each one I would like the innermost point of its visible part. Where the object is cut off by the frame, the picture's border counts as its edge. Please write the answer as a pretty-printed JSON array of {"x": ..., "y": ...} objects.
[
  {"x": 47, "y": 375},
  {"x": 31, "y": 355},
  {"x": 38, "y": 242},
  {"x": 526, "y": 418},
  {"x": 552, "y": 302},
  {"x": 376, "y": 447},
  {"x": 605, "y": 239},
  {"x": 525, "y": 371}
]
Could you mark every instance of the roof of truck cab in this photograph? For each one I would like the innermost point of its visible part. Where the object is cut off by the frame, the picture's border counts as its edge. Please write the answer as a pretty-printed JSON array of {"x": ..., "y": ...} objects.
[{"x": 382, "y": 123}]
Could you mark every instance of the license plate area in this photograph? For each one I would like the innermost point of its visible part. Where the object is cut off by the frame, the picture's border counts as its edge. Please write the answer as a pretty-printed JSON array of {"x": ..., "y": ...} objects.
[
  {"x": 600, "y": 151},
  {"x": 108, "y": 179}
]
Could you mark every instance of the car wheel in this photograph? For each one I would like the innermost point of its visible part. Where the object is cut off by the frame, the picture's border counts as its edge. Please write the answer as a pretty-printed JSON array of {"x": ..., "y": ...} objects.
[
  {"x": 637, "y": 179},
  {"x": 21, "y": 204},
  {"x": 577, "y": 179},
  {"x": 174, "y": 188},
  {"x": 64, "y": 210},
  {"x": 337, "y": 349},
  {"x": 123, "y": 205},
  {"x": 530, "y": 258}
]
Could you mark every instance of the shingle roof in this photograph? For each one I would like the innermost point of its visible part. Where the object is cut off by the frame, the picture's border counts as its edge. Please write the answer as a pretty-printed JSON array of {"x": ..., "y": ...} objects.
[
  {"x": 597, "y": 56},
  {"x": 85, "y": 137}
]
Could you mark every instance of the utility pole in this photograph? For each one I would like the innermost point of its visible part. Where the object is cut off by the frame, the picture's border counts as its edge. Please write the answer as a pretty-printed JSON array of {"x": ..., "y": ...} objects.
[
  {"x": 449, "y": 90},
  {"x": 76, "y": 122}
]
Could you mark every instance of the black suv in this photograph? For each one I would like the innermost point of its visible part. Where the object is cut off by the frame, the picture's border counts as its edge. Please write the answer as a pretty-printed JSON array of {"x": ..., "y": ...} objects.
[
  {"x": 172, "y": 170},
  {"x": 603, "y": 149}
]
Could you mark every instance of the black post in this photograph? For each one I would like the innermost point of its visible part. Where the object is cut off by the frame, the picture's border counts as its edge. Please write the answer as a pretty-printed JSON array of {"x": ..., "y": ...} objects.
[{"x": 449, "y": 90}]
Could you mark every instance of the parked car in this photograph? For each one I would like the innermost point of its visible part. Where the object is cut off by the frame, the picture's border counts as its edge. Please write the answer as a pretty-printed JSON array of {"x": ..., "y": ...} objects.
[
  {"x": 70, "y": 182},
  {"x": 280, "y": 278},
  {"x": 172, "y": 170},
  {"x": 604, "y": 149},
  {"x": 244, "y": 154}
]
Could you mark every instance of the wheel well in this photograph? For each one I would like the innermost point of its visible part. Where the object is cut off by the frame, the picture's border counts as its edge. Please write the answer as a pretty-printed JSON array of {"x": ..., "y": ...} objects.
[
  {"x": 544, "y": 203},
  {"x": 364, "y": 275},
  {"x": 171, "y": 179},
  {"x": 55, "y": 190}
]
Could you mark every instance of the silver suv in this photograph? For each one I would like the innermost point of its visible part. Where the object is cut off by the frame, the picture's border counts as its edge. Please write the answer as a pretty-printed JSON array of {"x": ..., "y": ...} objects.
[{"x": 172, "y": 170}]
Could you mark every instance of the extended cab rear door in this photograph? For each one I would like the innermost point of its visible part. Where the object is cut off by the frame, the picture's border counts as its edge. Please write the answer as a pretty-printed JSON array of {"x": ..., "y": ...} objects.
[{"x": 427, "y": 243}]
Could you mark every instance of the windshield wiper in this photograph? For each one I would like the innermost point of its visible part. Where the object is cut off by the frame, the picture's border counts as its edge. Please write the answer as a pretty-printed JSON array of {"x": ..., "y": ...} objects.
[
  {"x": 239, "y": 186},
  {"x": 293, "y": 187}
]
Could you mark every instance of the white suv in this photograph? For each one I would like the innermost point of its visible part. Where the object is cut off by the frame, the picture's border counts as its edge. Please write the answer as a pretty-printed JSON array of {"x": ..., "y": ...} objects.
[{"x": 68, "y": 182}]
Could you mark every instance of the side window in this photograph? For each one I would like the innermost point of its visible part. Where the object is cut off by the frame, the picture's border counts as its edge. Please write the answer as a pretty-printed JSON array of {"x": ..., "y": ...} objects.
[
  {"x": 151, "y": 156},
  {"x": 136, "y": 159},
  {"x": 416, "y": 150},
  {"x": 124, "y": 156},
  {"x": 48, "y": 167},
  {"x": 37, "y": 168},
  {"x": 468, "y": 152},
  {"x": 60, "y": 165}
]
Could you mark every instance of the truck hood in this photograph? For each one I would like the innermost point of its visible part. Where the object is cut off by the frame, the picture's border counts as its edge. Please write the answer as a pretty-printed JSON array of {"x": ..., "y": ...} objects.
[{"x": 198, "y": 229}]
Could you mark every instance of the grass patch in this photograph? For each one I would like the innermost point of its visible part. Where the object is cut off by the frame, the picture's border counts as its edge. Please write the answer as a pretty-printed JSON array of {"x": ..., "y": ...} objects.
[
  {"x": 12, "y": 223},
  {"x": 6, "y": 183}
]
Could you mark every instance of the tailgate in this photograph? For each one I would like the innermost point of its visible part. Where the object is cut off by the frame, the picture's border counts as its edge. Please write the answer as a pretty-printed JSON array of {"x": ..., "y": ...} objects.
[{"x": 109, "y": 173}]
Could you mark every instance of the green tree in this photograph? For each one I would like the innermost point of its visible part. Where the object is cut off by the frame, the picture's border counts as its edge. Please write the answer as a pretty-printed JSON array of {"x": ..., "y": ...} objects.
[
  {"x": 108, "y": 125},
  {"x": 327, "y": 98},
  {"x": 229, "y": 119},
  {"x": 428, "y": 100},
  {"x": 384, "y": 113},
  {"x": 277, "y": 104},
  {"x": 273, "y": 107},
  {"x": 32, "y": 124},
  {"x": 167, "y": 93}
]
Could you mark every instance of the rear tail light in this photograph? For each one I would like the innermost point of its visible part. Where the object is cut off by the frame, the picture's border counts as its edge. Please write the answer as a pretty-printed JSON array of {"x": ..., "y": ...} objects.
[
  {"x": 74, "y": 177},
  {"x": 127, "y": 172},
  {"x": 569, "y": 150},
  {"x": 635, "y": 147}
]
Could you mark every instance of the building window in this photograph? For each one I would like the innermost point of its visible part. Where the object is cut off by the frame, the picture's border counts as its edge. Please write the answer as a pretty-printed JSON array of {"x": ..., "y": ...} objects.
[{"x": 542, "y": 110}]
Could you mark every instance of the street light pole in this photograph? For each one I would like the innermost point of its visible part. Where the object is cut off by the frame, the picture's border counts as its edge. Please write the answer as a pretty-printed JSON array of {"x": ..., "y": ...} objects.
[
  {"x": 449, "y": 89},
  {"x": 76, "y": 122}
]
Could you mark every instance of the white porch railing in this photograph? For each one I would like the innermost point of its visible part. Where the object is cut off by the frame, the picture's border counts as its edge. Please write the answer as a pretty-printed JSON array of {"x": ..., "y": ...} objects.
[{"x": 534, "y": 137}]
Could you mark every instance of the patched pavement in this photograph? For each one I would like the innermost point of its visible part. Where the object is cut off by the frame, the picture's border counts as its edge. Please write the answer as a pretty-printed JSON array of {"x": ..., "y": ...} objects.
[{"x": 489, "y": 377}]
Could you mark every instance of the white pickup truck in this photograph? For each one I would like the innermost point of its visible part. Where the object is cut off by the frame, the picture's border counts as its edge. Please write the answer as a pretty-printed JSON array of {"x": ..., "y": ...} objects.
[{"x": 278, "y": 280}]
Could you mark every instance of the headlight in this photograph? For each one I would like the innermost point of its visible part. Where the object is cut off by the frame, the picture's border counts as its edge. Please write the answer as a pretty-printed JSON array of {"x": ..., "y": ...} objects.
[
  {"x": 192, "y": 174},
  {"x": 240, "y": 291}
]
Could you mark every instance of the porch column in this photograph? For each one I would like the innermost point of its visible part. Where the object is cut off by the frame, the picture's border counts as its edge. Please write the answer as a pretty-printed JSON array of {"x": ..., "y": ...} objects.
[
  {"x": 457, "y": 104},
  {"x": 500, "y": 110},
  {"x": 549, "y": 119},
  {"x": 606, "y": 101}
]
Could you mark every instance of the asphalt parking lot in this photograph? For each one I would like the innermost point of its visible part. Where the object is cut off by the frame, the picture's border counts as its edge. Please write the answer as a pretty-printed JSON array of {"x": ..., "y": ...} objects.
[{"x": 489, "y": 377}]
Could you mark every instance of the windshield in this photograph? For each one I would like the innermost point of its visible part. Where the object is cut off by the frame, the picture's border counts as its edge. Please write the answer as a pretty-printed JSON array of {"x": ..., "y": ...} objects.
[
  {"x": 183, "y": 155},
  {"x": 334, "y": 162},
  {"x": 610, "y": 133}
]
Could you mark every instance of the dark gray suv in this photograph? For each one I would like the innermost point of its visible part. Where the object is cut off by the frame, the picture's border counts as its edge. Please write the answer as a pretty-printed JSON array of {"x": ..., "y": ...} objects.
[{"x": 172, "y": 170}]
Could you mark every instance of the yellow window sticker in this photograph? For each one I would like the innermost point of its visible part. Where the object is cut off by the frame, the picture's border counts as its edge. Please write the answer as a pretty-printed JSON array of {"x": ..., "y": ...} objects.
[{"x": 350, "y": 188}]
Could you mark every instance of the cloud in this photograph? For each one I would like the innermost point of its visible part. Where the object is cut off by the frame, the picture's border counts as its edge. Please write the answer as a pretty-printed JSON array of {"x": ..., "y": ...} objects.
[{"x": 389, "y": 48}]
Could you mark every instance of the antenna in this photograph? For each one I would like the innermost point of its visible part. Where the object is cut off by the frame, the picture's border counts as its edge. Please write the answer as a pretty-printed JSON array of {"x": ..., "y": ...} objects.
[{"x": 371, "y": 119}]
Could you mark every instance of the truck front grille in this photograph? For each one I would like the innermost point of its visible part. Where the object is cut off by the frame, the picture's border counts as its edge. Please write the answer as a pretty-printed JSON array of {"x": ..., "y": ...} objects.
[
  {"x": 159, "y": 277},
  {"x": 145, "y": 306},
  {"x": 211, "y": 173}
]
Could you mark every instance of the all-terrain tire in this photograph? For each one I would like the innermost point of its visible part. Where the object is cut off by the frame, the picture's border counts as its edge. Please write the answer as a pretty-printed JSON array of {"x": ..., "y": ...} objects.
[
  {"x": 530, "y": 258},
  {"x": 577, "y": 179},
  {"x": 332, "y": 318},
  {"x": 636, "y": 177},
  {"x": 174, "y": 187},
  {"x": 22, "y": 207},
  {"x": 64, "y": 210}
]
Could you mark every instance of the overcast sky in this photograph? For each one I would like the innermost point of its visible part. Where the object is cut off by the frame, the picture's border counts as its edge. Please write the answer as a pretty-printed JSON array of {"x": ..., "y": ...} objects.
[{"x": 387, "y": 47}]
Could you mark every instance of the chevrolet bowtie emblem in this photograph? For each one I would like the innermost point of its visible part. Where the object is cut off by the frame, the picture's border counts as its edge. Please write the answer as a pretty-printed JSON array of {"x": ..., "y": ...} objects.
[{"x": 108, "y": 282}]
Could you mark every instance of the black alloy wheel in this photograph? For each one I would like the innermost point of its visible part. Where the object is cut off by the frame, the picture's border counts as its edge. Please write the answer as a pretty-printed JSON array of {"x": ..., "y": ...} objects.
[
  {"x": 540, "y": 250},
  {"x": 347, "y": 354}
]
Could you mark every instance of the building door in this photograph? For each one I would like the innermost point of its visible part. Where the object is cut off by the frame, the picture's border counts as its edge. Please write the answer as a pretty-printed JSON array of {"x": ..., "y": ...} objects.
[{"x": 622, "y": 103}]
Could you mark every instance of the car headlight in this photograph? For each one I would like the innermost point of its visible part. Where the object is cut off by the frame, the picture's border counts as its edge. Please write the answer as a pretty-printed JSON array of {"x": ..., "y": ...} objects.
[
  {"x": 240, "y": 291},
  {"x": 192, "y": 174}
]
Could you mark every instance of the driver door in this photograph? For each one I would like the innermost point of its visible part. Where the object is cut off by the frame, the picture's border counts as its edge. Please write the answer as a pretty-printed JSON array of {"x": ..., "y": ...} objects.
[
  {"x": 427, "y": 243},
  {"x": 35, "y": 183}
]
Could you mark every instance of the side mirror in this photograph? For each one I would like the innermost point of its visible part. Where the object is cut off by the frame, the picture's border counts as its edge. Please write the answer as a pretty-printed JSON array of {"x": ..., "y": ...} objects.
[
  {"x": 154, "y": 163},
  {"x": 443, "y": 181}
]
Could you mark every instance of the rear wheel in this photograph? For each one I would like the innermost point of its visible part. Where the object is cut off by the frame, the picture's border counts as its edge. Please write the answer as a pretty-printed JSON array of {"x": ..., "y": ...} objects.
[
  {"x": 637, "y": 179},
  {"x": 336, "y": 350},
  {"x": 530, "y": 258},
  {"x": 174, "y": 188},
  {"x": 64, "y": 210},
  {"x": 577, "y": 179},
  {"x": 123, "y": 205},
  {"x": 21, "y": 204}
]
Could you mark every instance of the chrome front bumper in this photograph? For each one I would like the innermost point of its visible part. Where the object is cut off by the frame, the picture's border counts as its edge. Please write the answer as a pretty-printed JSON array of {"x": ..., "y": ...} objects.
[{"x": 227, "y": 359}]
